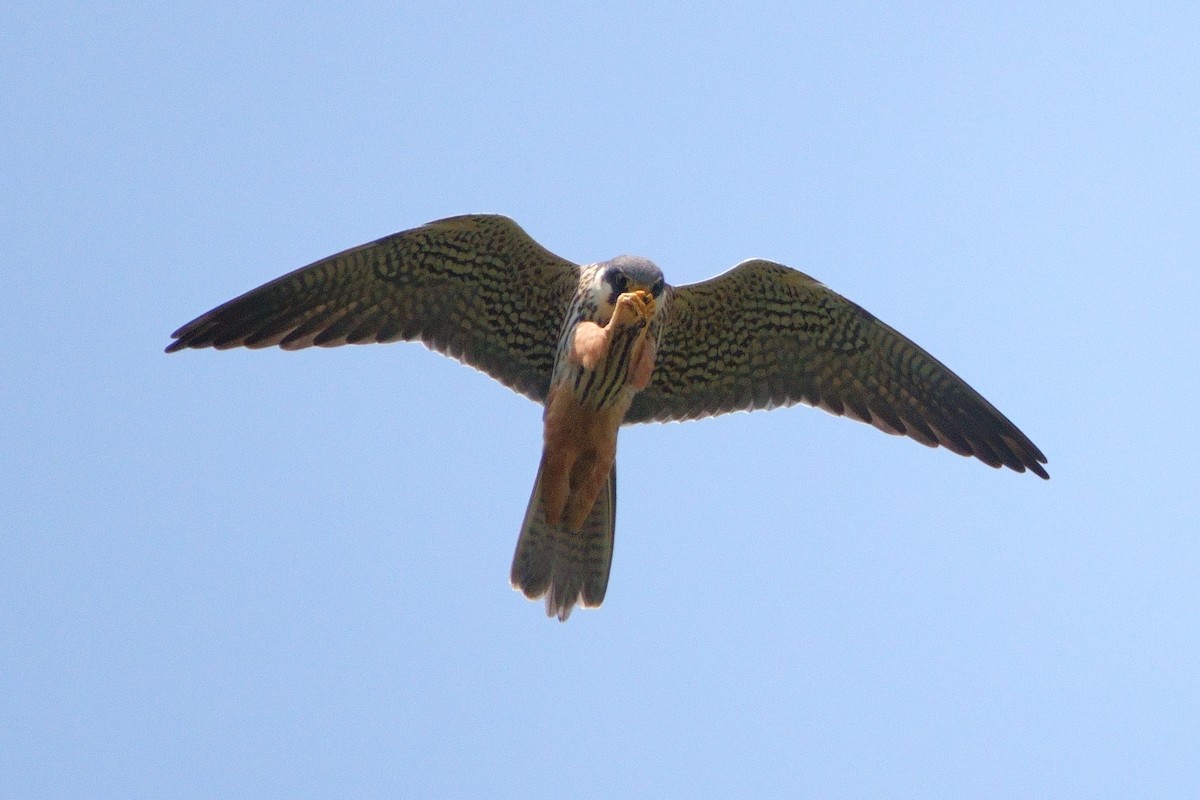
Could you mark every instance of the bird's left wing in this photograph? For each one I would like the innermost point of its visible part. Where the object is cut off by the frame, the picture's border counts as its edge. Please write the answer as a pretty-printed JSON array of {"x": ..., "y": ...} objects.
[
  {"x": 476, "y": 288},
  {"x": 764, "y": 335}
]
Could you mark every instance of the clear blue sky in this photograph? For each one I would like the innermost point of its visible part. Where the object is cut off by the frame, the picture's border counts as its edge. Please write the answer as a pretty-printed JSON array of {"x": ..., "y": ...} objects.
[{"x": 268, "y": 574}]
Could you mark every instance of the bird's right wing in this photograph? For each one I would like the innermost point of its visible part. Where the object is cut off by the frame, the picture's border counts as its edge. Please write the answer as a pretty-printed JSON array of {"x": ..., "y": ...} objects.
[
  {"x": 764, "y": 335},
  {"x": 476, "y": 288}
]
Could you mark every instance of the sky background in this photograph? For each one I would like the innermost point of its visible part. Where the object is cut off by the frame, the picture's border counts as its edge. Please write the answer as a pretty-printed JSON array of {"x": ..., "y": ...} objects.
[{"x": 269, "y": 574}]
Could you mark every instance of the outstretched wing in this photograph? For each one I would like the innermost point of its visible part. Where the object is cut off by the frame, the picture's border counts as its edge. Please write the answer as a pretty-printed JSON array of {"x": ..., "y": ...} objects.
[
  {"x": 476, "y": 288},
  {"x": 764, "y": 335}
]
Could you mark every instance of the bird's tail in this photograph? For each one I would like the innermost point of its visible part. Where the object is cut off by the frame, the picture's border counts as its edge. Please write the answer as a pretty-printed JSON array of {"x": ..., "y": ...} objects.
[{"x": 566, "y": 566}]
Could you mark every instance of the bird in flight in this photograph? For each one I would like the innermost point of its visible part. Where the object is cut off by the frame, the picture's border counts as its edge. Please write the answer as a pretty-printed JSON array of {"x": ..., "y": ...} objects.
[{"x": 608, "y": 344}]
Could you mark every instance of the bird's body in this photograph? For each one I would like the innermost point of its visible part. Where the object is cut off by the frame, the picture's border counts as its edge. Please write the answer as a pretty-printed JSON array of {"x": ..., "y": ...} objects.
[
  {"x": 605, "y": 356},
  {"x": 609, "y": 344}
]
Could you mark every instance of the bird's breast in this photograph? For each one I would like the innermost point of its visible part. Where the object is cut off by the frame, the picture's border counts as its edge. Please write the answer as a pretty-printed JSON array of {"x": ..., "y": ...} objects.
[{"x": 605, "y": 367}]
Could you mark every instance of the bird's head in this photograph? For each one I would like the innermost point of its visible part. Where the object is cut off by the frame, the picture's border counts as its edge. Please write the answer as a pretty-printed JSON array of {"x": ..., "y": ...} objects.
[{"x": 623, "y": 274}]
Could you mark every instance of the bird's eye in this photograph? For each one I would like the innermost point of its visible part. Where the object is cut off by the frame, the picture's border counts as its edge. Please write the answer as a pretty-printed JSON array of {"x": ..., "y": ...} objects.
[{"x": 619, "y": 281}]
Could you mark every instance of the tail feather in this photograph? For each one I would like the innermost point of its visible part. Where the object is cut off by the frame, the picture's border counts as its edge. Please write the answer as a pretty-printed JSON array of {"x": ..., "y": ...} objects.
[{"x": 565, "y": 566}]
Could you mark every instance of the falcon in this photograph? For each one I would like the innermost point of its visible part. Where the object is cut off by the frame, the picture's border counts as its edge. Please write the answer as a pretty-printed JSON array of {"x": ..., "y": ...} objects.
[{"x": 609, "y": 344}]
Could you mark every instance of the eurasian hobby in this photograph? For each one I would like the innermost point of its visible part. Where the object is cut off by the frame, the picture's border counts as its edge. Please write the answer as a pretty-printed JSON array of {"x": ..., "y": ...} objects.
[{"x": 609, "y": 344}]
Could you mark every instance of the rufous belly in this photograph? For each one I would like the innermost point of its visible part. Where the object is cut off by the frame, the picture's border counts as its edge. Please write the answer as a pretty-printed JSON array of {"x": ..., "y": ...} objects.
[{"x": 579, "y": 450}]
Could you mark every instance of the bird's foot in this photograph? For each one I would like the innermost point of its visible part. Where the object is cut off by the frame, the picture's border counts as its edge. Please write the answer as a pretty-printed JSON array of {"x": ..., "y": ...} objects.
[{"x": 634, "y": 308}]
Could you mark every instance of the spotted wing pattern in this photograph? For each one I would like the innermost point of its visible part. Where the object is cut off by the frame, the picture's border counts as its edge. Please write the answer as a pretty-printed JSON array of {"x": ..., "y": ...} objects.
[
  {"x": 764, "y": 335},
  {"x": 476, "y": 288}
]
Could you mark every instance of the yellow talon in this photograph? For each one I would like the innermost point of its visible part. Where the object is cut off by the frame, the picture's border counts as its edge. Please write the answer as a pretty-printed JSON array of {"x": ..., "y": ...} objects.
[
  {"x": 635, "y": 307},
  {"x": 645, "y": 302}
]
